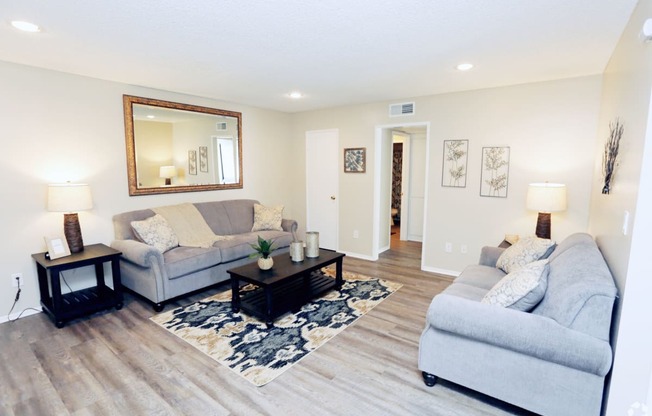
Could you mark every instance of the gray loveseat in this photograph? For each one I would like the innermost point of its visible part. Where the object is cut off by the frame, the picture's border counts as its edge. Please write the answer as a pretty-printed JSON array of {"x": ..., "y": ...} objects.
[
  {"x": 162, "y": 276},
  {"x": 552, "y": 360}
]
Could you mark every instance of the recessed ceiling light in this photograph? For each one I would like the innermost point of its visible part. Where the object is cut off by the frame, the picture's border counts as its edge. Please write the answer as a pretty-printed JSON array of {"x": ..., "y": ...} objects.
[
  {"x": 464, "y": 67},
  {"x": 25, "y": 26},
  {"x": 295, "y": 94},
  {"x": 151, "y": 116}
]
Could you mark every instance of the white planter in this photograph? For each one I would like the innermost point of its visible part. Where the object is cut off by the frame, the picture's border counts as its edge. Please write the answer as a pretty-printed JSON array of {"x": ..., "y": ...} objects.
[{"x": 265, "y": 264}]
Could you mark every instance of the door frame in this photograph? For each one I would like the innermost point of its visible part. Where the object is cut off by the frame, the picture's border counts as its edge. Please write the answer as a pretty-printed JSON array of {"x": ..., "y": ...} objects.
[{"x": 378, "y": 166}]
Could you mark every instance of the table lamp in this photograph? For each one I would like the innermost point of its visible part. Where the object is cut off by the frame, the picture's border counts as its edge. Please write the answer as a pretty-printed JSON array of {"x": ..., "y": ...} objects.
[
  {"x": 546, "y": 198},
  {"x": 167, "y": 172},
  {"x": 70, "y": 198}
]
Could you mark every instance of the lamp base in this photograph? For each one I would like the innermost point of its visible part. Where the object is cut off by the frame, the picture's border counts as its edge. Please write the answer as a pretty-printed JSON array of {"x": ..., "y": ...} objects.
[
  {"x": 168, "y": 181},
  {"x": 73, "y": 234},
  {"x": 543, "y": 225}
]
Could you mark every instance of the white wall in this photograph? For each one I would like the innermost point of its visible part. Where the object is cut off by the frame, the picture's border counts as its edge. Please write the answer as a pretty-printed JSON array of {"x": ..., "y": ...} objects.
[
  {"x": 626, "y": 95},
  {"x": 58, "y": 127},
  {"x": 549, "y": 126}
]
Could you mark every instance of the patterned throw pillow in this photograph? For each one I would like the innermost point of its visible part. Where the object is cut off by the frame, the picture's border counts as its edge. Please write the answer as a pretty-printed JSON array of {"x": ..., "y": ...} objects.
[
  {"x": 267, "y": 218},
  {"x": 156, "y": 232},
  {"x": 525, "y": 251},
  {"x": 521, "y": 290}
]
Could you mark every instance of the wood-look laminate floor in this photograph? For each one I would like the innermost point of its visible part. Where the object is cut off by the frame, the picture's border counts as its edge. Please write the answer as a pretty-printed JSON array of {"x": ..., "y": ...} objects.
[{"x": 120, "y": 363}]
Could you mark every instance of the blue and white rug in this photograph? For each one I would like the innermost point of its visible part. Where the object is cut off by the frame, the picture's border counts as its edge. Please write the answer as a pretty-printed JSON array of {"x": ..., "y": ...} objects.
[{"x": 245, "y": 344}]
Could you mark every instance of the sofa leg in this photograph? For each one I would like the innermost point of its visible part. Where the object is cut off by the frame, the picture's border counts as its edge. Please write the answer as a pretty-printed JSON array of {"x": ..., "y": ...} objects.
[
  {"x": 429, "y": 379},
  {"x": 158, "y": 307}
]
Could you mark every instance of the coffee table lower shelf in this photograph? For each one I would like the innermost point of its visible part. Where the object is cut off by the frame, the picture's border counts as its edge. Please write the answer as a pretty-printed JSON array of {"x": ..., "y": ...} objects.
[{"x": 289, "y": 296}]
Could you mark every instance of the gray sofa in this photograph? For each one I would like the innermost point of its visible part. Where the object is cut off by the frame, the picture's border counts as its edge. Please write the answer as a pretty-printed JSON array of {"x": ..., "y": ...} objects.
[
  {"x": 552, "y": 360},
  {"x": 162, "y": 276}
]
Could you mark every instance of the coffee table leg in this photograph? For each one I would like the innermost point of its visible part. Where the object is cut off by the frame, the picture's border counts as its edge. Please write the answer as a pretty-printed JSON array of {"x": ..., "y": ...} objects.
[
  {"x": 338, "y": 274},
  {"x": 268, "y": 296},
  {"x": 235, "y": 294}
]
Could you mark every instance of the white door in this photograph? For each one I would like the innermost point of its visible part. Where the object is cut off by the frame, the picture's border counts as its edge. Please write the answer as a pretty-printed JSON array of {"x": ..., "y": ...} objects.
[{"x": 322, "y": 175}]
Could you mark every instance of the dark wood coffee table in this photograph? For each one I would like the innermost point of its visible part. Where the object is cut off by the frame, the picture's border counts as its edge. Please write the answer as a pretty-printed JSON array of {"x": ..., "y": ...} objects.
[{"x": 286, "y": 286}]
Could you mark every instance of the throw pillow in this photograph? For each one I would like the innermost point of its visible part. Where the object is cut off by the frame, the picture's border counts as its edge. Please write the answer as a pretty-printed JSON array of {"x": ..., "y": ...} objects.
[
  {"x": 521, "y": 290},
  {"x": 524, "y": 251},
  {"x": 156, "y": 232},
  {"x": 267, "y": 218}
]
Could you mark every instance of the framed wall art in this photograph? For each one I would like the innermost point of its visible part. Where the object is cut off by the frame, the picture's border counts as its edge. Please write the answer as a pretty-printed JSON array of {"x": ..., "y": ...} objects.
[
  {"x": 454, "y": 163},
  {"x": 203, "y": 158},
  {"x": 192, "y": 162},
  {"x": 495, "y": 172},
  {"x": 355, "y": 160}
]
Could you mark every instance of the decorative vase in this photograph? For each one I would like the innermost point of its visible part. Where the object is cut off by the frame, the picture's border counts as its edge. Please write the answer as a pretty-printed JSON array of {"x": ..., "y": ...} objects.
[
  {"x": 312, "y": 244},
  {"x": 265, "y": 263},
  {"x": 296, "y": 251}
]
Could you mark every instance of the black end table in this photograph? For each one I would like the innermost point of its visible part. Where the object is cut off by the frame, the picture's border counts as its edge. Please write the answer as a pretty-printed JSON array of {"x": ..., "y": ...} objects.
[{"x": 64, "y": 307}]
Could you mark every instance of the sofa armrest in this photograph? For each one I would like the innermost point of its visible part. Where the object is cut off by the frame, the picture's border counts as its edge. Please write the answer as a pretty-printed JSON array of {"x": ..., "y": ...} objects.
[
  {"x": 522, "y": 332},
  {"x": 489, "y": 255},
  {"x": 290, "y": 226},
  {"x": 139, "y": 253}
]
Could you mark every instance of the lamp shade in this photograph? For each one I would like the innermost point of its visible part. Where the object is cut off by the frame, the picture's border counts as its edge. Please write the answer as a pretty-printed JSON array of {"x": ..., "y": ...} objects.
[
  {"x": 546, "y": 197},
  {"x": 167, "y": 172},
  {"x": 69, "y": 197}
]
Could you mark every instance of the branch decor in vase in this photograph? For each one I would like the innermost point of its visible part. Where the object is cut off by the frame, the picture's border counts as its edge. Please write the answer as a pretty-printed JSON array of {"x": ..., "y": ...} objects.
[{"x": 263, "y": 250}]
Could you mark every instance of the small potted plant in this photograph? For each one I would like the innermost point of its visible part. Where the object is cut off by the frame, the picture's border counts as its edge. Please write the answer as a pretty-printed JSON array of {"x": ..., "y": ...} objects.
[{"x": 263, "y": 250}]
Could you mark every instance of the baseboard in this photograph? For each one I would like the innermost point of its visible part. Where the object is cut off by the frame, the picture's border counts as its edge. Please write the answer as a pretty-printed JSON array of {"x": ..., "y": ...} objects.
[
  {"x": 359, "y": 256},
  {"x": 25, "y": 312},
  {"x": 452, "y": 273}
]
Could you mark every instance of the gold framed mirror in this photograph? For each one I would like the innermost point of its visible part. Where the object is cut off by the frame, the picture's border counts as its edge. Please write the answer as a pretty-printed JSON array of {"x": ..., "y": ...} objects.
[{"x": 174, "y": 147}]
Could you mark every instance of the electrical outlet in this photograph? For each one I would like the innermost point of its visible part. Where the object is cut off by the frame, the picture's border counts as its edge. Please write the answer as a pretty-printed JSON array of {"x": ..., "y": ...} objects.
[
  {"x": 449, "y": 247},
  {"x": 464, "y": 249},
  {"x": 356, "y": 234},
  {"x": 17, "y": 278}
]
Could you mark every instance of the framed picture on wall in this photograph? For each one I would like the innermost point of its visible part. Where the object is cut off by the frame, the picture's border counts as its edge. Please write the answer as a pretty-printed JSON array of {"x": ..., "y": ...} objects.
[
  {"x": 355, "y": 160},
  {"x": 203, "y": 158},
  {"x": 192, "y": 162},
  {"x": 495, "y": 172},
  {"x": 455, "y": 157}
]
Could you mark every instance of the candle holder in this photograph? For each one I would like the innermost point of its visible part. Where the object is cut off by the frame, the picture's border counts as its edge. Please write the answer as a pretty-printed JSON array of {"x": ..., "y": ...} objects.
[
  {"x": 312, "y": 244},
  {"x": 296, "y": 251}
]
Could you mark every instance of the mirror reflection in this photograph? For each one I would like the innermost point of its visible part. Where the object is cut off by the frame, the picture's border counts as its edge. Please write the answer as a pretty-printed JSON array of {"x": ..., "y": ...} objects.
[{"x": 173, "y": 147}]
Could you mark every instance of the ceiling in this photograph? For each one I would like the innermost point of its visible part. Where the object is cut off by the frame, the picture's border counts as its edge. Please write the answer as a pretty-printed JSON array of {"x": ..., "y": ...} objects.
[{"x": 336, "y": 52}]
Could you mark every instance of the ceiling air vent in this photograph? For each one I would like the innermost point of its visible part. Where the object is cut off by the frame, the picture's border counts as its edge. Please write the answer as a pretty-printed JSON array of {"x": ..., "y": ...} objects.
[
  {"x": 221, "y": 126},
  {"x": 402, "y": 109}
]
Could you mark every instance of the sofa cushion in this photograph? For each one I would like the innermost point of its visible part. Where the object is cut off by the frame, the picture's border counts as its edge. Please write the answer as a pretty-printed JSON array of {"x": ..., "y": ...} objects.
[
  {"x": 216, "y": 217},
  {"x": 181, "y": 261},
  {"x": 484, "y": 277},
  {"x": 521, "y": 290},
  {"x": 579, "y": 284},
  {"x": 526, "y": 250},
  {"x": 241, "y": 214},
  {"x": 267, "y": 218},
  {"x": 240, "y": 246},
  {"x": 156, "y": 232}
]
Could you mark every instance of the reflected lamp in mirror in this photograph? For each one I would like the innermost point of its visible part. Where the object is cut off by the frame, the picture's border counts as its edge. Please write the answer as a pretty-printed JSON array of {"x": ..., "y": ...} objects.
[
  {"x": 168, "y": 172},
  {"x": 70, "y": 198},
  {"x": 546, "y": 198}
]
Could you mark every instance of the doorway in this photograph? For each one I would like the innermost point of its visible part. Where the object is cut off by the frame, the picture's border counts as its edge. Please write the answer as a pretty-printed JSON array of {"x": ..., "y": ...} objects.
[{"x": 414, "y": 145}]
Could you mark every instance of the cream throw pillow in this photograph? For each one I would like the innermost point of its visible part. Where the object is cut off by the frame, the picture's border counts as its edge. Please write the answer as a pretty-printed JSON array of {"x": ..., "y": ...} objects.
[
  {"x": 267, "y": 218},
  {"x": 524, "y": 251},
  {"x": 522, "y": 289},
  {"x": 156, "y": 232}
]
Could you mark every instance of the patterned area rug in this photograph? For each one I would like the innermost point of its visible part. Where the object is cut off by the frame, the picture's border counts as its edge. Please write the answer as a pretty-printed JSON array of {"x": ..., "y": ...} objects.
[{"x": 245, "y": 344}]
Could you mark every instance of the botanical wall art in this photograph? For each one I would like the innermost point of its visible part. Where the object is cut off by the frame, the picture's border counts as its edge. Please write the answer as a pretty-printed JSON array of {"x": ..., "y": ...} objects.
[
  {"x": 454, "y": 163},
  {"x": 355, "y": 160},
  {"x": 495, "y": 172},
  {"x": 610, "y": 155},
  {"x": 192, "y": 162},
  {"x": 203, "y": 158}
]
